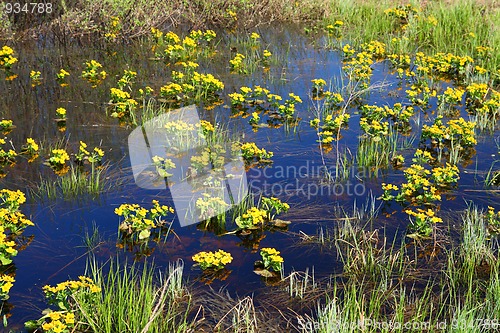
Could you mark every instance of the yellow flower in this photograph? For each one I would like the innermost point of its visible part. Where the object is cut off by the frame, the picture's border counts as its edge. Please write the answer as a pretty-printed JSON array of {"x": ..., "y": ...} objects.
[
  {"x": 6, "y": 287},
  {"x": 54, "y": 315}
]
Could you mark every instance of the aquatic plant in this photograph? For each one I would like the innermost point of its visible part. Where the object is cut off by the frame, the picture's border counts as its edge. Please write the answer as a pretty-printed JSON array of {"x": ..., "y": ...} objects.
[
  {"x": 61, "y": 77},
  {"x": 422, "y": 222},
  {"x": 57, "y": 161},
  {"x": 163, "y": 165},
  {"x": 7, "y": 157},
  {"x": 271, "y": 259},
  {"x": 329, "y": 131},
  {"x": 237, "y": 64},
  {"x": 36, "y": 78},
  {"x": 61, "y": 114},
  {"x": 113, "y": 29},
  {"x": 127, "y": 79},
  {"x": 7, "y": 58},
  {"x": 138, "y": 221},
  {"x": 250, "y": 152},
  {"x": 212, "y": 260},
  {"x": 136, "y": 297},
  {"x": 493, "y": 220},
  {"x": 256, "y": 217},
  {"x": 253, "y": 218},
  {"x": 6, "y": 283},
  {"x": 335, "y": 30},
  {"x": 122, "y": 106},
  {"x": 6, "y": 125},
  {"x": 93, "y": 73},
  {"x": 31, "y": 148},
  {"x": 67, "y": 315}
]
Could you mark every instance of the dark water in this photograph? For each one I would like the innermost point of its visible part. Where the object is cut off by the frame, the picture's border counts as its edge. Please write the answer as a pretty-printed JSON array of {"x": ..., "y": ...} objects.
[{"x": 57, "y": 250}]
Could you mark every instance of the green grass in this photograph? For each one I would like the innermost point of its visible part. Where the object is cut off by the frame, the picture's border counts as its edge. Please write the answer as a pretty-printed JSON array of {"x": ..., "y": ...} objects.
[
  {"x": 376, "y": 153},
  {"x": 364, "y": 20},
  {"x": 75, "y": 183},
  {"x": 137, "y": 299},
  {"x": 387, "y": 282}
]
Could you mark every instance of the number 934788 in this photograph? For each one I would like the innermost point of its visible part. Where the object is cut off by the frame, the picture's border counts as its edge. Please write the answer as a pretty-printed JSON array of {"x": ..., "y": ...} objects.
[{"x": 27, "y": 7}]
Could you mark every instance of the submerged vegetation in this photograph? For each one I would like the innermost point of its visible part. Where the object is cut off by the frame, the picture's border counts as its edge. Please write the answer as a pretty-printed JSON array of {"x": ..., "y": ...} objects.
[{"x": 415, "y": 99}]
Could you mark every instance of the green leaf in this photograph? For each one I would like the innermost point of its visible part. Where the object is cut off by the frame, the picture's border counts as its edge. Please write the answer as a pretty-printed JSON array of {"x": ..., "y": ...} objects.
[
  {"x": 4, "y": 260},
  {"x": 144, "y": 234},
  {"x": 31, "y": 325}
]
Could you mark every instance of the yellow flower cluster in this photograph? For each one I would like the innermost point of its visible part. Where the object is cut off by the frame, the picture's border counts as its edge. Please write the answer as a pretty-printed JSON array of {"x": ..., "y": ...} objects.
[
  {"x": 6, "y": 57},
  {"x": 477, "y": 90},
  {"x": 60, "y": 322},
  {"x": 83, "y": 154},
  {"x": 121, "y": 102},
  {"x": 459, "y": 131},
  {"x": 254, "y": 36},
  {"x": 252, "y": 218},
  {"x": 207, "y": 82},
  {"x": 6, "y": 283},
  {"x": 400, "y": 60},
  {"x": 232, "y": 14},
  {"x": 118, "y": 95},
  {"x": 423, "y": 221},
  {"x": 7, "y": 247},
  {"x": 210, "y": 206},
  {"x": 318, "y": 83},
  {"x": 402, "y": 12},
  {"x": 272, "y": 252},
  {"x": 237, "y": 64},
  {"x": 493, "y": 219},
  {"x": 482, "y": 99},
  {"x": 421, "y": 185},
  {"x": 189, "y": 43},
  {"x": 250, "y": 151},
  {"x": 359, "y": 67},
  {"x": 113, "y": 28},
  {"x": 61, "y": 113},
  {"x": 178, "y": 126},
  {"x": 31, "y": 148},
  {"x": 207, "y": 126},
  {"x": 171, "y": 89},
  {"x": 11, "y": 218},
  {"x": 442, "y": 64},
  {"x": 126, "y": 79},
  {"x": 374, "y": 128},
  {"x": 271, "y": 258},
  {"x": 58, "y": 158},
  {"x": 6, "y": 157},
  {"x": 6, "y": 125},
  {"x": 83, "y": 283},
  {"x": 422, "y": 156},
  {"x": 256, "y": 215},
  {"x": 212, "y": 260},
  {"x": 176, "y": 49},
  {"x": 93, "y": 74},
  {"x": 334, "y": 30},
  {"x": 163, "y": 165},
  {"x": 61, "y": 75},
  {"x": 35, "y": 77},
  {"x": 329, "y": 131},
  {"x": 443, "y": 176},
  {"x": 139, "y": 220},
  {"x": 157, "y": 34},
  {"x": 376, "y": 48},
  {"x": 389, "y": 187},
  {"x": 452, "y": 96}
]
